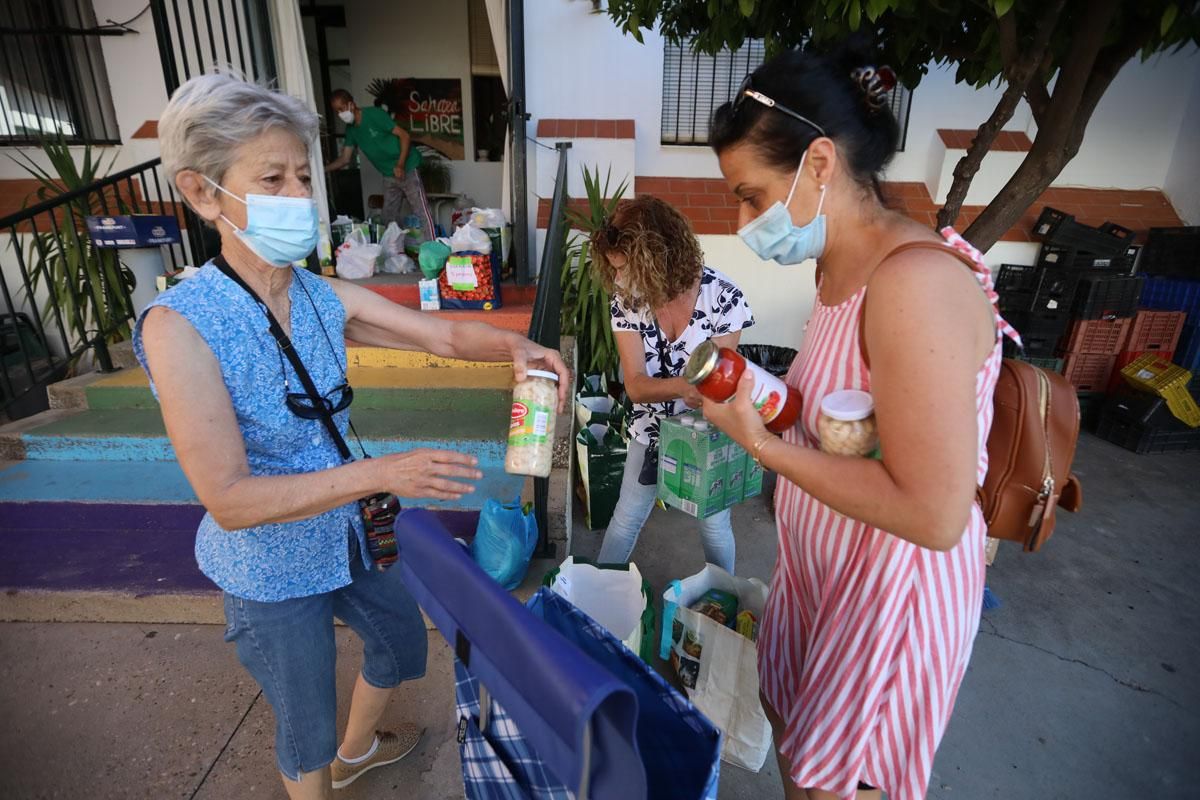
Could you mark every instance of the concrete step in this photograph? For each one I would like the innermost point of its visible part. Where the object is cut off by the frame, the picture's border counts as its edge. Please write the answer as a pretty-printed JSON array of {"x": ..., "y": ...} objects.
[
  {"x": 133, "y": 548},
  {"x": 403, "y": 289},
  {"x": 101, "y": 436},
  {"x": 474, "y": 388}
]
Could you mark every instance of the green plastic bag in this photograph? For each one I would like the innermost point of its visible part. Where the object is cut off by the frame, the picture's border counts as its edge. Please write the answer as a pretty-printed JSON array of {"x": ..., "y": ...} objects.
[
  {"x": 432, "y": 257},
  {"x": 600, "y": 452}
]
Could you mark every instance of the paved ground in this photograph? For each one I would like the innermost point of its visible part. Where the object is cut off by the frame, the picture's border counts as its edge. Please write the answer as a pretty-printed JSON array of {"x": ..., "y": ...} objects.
[{"x": 1084, "y": 684}]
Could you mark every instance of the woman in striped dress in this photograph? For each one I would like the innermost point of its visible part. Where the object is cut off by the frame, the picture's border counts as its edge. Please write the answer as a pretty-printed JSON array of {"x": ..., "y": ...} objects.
[{"x": 876, "y": 595}]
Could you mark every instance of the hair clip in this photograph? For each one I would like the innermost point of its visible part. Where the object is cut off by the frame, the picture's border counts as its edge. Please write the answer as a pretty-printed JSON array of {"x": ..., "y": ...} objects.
[{"x": 875, "y": 84}]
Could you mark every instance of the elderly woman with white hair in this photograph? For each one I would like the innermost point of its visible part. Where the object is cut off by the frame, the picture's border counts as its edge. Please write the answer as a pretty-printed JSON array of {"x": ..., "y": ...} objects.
[{"x": 283, "y": 536}]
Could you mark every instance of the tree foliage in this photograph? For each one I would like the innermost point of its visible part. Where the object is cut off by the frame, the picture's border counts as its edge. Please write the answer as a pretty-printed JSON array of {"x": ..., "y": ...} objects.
[{"x": 1060, "y": 56}]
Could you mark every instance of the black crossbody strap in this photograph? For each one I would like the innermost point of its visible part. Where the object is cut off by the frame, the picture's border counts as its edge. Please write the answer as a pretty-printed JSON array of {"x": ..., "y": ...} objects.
[{"x": 285, "y": 344}]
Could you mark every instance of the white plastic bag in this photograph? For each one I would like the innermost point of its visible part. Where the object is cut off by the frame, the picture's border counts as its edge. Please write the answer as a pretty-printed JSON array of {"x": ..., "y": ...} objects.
[
  {"x": 394, "y": 261},
  {"x": 488, "y": 218},
  {"x": 356, "y": 257},
  {"x": 722, "y": 679},
  {"x": 612, "y": 597},
  {"x": 470, "y": 238}
]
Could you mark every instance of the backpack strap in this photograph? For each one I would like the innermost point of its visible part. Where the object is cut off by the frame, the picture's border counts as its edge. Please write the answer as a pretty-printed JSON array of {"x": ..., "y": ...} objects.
[{"x": 947, "y": 249}]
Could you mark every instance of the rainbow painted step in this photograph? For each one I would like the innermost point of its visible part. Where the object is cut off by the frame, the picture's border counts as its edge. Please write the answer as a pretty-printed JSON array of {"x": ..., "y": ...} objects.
[{"x": 131, "y": 548}]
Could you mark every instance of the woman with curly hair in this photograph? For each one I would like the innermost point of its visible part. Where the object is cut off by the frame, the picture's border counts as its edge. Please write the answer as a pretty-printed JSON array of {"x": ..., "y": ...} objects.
[{"x": 665, "y": 303}]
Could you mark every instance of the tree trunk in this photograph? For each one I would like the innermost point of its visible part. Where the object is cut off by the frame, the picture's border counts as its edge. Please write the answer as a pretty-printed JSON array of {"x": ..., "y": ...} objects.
[
  {"x": 1021, "y": 68},
  {"x": 967, "y": 166},
  {"x": 1081, "y": 82}
]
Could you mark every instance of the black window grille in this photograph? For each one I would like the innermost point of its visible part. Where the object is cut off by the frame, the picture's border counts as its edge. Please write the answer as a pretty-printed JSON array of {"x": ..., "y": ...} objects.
[
  {"x": 52, "y": 76},
  {"x": 695, "y": 85}
]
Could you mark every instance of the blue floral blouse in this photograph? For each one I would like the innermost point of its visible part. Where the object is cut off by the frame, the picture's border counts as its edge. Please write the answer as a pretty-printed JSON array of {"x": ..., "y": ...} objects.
[{"x": 292, "y": 559}]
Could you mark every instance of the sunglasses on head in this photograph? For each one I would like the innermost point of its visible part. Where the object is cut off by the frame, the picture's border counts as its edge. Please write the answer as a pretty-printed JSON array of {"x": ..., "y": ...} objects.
[{"x": 746, "y": 90}]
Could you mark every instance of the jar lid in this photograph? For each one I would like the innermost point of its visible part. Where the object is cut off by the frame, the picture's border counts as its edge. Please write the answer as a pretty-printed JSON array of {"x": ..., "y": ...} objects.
[
  {"x": 848, "y": 405},
  {"x": 702, "y": 362},
  {"x": 541, "y": 373}
]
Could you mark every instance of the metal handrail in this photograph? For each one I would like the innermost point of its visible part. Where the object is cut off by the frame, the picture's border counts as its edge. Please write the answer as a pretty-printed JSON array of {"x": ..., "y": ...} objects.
[
  {"x": 18, "y": 217},
  {"x": 50, "y": 335},
  {"x": 545, "y": 326}
]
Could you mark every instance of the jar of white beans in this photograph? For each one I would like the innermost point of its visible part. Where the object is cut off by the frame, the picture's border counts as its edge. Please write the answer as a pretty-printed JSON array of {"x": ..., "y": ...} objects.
[
  {"x": 531, "y": 428},
  {"x": 847, "y": 423}
]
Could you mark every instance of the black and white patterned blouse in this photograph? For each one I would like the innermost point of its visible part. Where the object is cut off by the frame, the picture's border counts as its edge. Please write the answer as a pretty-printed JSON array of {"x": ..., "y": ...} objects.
[{"x": 721, "y": 308}]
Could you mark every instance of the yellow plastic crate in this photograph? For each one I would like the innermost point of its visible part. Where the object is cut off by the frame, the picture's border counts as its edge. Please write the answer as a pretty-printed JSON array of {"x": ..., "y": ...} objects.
[{"x": 1154, "y": 374}]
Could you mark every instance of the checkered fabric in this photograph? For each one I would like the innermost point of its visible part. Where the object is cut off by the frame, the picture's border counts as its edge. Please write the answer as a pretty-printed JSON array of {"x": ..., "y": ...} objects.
[{"x": 498, "y": 764}]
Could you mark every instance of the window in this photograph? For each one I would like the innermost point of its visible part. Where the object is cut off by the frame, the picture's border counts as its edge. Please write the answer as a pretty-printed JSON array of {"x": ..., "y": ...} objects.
[
  {"x": 52, "y": 76},
  {"x": 489, "y": 103},
  {"x": 695, "y": 85}
]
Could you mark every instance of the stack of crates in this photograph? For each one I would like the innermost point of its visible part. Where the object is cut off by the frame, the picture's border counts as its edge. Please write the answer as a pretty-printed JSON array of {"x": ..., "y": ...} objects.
[
  {"x": 1171, "y": 263},
  {"x": 1152, "y": 407},
  {"x": 1074, "y": 308}
]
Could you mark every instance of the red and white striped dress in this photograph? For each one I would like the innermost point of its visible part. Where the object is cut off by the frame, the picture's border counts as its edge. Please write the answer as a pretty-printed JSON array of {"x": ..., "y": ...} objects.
[{"x": 866, "y": 637}]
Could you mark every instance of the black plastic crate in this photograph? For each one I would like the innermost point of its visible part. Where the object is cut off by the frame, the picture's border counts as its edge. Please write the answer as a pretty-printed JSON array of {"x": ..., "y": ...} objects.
[
  {"x": 1056, "y": 257},
  {"x": 1015, "y": 302},
  {"x": 1142, "y": 423},
  {"x": 1107, "y": 296},
  {"x": 1056, "y": 291},
  {"x": 1060, "y": 228},
  {"x": 1090, "y": 405},
  {"x": 1174, "y": 252},
  {"x": 1018, "y": 278},
  {"x": 1040, "y": 331}
]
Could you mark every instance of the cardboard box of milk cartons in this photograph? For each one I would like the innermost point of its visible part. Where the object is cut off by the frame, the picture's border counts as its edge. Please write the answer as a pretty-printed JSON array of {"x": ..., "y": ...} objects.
[{"x": 701, "y": 471}]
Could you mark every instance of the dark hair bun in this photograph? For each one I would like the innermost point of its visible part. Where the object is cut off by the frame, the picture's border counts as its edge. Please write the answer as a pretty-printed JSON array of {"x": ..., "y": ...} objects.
[{"x": 833, "y": 89}]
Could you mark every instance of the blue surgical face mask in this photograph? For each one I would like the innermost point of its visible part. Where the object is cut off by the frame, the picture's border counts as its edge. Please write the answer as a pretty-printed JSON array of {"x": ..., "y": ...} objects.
[
  {"x": 280, "y": 230},
  {"x": 772, "y": 235}
]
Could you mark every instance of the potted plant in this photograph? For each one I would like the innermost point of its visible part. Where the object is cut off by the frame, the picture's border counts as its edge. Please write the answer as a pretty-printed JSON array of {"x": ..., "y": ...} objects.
[{"x": 585, "y": 303}]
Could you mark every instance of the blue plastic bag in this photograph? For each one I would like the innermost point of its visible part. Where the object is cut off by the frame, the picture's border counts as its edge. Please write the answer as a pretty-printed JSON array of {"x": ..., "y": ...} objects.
[{"x": 504, "y": 541}]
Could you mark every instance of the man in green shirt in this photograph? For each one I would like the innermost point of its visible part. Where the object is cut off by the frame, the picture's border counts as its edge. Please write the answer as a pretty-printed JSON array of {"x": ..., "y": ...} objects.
[{"x": 390, "y": 149}]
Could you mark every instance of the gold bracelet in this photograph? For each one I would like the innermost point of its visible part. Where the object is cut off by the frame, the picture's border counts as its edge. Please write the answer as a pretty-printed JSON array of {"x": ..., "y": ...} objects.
[{"x": 756, "y": 450}]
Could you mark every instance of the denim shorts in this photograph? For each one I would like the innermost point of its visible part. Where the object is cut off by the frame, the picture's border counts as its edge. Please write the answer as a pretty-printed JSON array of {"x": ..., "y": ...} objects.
[{"x": 289, "y": 649}]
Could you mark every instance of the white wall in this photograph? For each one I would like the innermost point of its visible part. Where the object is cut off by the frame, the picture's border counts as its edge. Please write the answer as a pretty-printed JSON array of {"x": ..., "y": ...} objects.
[
  {"x": 1183, "y": 173},
  {"x": 415, "y": 39},
  {"x": 600, "y": 73}
]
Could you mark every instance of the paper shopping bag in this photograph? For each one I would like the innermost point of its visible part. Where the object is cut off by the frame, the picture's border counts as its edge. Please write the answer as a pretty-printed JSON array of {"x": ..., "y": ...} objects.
[{"x": 717, "y": 665}]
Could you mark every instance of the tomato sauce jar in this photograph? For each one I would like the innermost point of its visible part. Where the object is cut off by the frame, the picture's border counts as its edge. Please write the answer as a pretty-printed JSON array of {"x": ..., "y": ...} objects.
[{"x": 715, "y": 372}]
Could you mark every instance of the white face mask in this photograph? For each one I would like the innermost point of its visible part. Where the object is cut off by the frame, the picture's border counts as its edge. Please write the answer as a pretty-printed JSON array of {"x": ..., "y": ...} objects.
[{"x": 346, "y": 116}]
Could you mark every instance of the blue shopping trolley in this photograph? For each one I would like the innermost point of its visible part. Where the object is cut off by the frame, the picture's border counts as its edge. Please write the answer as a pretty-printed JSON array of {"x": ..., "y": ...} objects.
[{"x": 551, "y": 706}]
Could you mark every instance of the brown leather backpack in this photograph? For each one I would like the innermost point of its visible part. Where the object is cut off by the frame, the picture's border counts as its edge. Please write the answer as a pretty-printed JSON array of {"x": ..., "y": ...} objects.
[{"x": 1035, "y": 427}]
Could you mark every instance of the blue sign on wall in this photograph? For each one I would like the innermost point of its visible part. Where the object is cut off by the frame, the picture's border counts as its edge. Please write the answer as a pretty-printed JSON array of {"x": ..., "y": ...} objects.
[{"x": 133, "y": 230}]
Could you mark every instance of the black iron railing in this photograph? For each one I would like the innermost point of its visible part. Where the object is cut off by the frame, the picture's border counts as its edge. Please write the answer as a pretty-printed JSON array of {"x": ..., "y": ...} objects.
[
  {"x": 61, "y": 297},
  {"x": 545, "y": 326}
]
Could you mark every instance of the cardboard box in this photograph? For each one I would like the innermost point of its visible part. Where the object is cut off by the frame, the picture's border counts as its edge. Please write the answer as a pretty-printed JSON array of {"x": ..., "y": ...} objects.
[
  {"x": 703, "y": 472},
  {"x": 133, "y": 230}
]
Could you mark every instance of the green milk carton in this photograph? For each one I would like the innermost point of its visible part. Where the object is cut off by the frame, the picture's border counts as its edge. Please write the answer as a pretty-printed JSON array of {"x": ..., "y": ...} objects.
[
  {"x": 692, "y": 468},
  {"x": 752, "y": 484},
  {"x": 735, "y": 475}
]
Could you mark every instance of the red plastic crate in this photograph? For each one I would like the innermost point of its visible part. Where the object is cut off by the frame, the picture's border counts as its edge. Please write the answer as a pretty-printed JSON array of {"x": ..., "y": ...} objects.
[
  {"x": 1155, "y": 331},
  {"x": 1104, "y": 337},
  {"x": 1124, "y": 359},
  {"x": 1088, "y": 372}
]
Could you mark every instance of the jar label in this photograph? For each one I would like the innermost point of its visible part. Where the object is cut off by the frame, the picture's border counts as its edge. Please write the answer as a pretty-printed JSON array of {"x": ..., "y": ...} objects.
[
  {"x": 769, "y": 392},
  {"x": 529, "y": 424}
]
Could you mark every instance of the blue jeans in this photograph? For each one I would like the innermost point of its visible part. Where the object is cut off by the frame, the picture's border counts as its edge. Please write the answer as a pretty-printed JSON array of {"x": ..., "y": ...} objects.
[
  {"x": 634, "y": 507},
  {"x": 289, "y": 649}
]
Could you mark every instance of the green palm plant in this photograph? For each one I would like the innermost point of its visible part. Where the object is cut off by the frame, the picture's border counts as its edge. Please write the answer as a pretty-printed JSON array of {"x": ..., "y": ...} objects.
[
  {"x": 585, "y": 303},
  {"x": 88, "y": 285}
]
